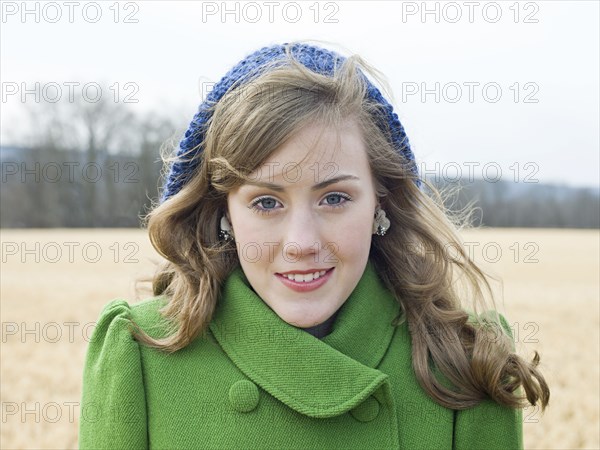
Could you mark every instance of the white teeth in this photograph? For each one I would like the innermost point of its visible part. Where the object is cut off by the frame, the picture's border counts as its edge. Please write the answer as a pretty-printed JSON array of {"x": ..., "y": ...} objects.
[{"x": 305, "y": 278}]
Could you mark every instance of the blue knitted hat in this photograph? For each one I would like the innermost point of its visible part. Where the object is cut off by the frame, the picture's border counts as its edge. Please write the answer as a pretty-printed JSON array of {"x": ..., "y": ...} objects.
[{"x": 314, "y": 58}]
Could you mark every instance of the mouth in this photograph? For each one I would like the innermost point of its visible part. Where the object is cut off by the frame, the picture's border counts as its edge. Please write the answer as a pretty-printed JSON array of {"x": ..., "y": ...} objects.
[{"x": 304, "y": 282}]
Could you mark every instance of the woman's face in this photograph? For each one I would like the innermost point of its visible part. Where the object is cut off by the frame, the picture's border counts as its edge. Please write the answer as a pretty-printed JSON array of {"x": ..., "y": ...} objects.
[{"x": 311, "y": 211}]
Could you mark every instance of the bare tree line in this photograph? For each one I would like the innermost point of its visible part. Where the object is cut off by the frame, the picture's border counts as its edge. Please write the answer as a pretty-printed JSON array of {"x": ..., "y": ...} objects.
[
  {"x": 99, "y": 165},
  {"x": 83, "y": 165},
  {"x": 529, "y": 205}
]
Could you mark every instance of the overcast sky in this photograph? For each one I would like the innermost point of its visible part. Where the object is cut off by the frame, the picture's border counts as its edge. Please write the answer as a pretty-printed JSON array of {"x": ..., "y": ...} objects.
[{"x": 517, "y": 82}]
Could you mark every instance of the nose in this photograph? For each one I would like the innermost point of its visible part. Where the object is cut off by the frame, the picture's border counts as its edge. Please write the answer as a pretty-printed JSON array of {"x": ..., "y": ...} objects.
[{"x": 303, "y": 236}]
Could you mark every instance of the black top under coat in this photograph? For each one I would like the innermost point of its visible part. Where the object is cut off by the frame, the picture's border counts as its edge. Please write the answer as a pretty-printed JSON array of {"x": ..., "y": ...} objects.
[{"x": 323, "y": 329}]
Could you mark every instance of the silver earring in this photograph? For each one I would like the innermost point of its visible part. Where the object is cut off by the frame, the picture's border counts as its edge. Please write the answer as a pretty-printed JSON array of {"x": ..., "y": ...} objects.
[
  {"x": 226, "y": 232},
  {"x": 381, "y": 223}
]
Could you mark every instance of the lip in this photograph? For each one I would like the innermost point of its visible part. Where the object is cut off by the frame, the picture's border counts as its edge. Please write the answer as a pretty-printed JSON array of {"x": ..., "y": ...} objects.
[
  {"x": 302, "y": 272},
  {"x": 301, "y": 286}
]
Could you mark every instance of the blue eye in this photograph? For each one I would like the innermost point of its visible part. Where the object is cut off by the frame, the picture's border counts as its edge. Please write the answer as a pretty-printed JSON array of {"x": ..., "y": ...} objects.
[
  {"x": 267, "y": 204},
  {"x": 336, "y": 198}
]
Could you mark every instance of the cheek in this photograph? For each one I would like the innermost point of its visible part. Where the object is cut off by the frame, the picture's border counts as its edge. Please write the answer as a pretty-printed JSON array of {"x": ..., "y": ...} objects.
[
  {"x": 249, "y": 231},
  {"x": 247, "y": 226},
  {"x": 254, "y": 243},
  {"x": 352, "y": 238}
]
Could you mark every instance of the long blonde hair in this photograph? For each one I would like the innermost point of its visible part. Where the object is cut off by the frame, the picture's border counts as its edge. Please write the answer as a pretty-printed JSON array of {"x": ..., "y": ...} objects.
[{"x": 412, "y": 259}]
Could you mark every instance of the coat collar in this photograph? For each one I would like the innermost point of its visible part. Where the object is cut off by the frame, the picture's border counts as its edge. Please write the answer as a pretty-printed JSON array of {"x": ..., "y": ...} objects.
[{"x": 318, "y": 378}]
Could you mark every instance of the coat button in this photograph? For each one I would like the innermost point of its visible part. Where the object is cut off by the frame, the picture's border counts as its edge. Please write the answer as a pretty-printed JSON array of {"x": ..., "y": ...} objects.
[
  {"x": 243, "y": 396},
  {"x": 367, "y": 410}
]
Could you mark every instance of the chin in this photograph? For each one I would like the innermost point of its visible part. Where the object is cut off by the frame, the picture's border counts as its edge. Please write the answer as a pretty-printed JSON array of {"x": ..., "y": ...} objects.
[{"x": 305, "y": 320}]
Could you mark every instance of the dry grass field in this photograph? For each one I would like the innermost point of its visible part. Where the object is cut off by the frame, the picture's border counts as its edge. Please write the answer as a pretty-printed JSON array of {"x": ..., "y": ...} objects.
[{"x": 550, "y": 294}]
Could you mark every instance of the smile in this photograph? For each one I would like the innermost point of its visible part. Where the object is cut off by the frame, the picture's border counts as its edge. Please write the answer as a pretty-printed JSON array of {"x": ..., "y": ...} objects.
[
  {"x": 306, "y": 277},
  {"x": 305, "y": 282}
]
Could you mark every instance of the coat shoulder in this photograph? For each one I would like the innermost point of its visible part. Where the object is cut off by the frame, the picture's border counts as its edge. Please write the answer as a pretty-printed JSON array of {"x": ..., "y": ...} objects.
[
  {"x": 147, "y": 315},
  {"x": 113, "y": 384}
]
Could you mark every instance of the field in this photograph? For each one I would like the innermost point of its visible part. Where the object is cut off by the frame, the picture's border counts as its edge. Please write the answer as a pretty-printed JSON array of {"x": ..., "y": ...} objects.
[{"x": 55, "y": 282}]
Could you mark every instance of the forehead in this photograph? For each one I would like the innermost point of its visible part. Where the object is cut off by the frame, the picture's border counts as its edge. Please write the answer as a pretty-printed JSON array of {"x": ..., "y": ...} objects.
[{"x": 315, "y": 153}]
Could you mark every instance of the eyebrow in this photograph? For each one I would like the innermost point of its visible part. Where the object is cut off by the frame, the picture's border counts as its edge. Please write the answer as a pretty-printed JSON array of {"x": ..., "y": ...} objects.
[{"x": 316, "y": 187}]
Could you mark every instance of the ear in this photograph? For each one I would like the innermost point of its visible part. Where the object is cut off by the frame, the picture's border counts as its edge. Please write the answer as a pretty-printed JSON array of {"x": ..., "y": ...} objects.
[
  {"x": 224, "y": 211},
  {"x": 377, "y": 202}
]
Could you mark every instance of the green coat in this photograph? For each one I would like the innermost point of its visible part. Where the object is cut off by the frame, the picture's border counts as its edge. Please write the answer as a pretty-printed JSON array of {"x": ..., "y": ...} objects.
[{"x": 254, "y": 381}]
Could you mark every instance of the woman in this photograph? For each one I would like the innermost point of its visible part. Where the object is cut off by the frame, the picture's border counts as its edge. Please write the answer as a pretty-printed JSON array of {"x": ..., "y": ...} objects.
[{"x": 308, "y": 299}]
